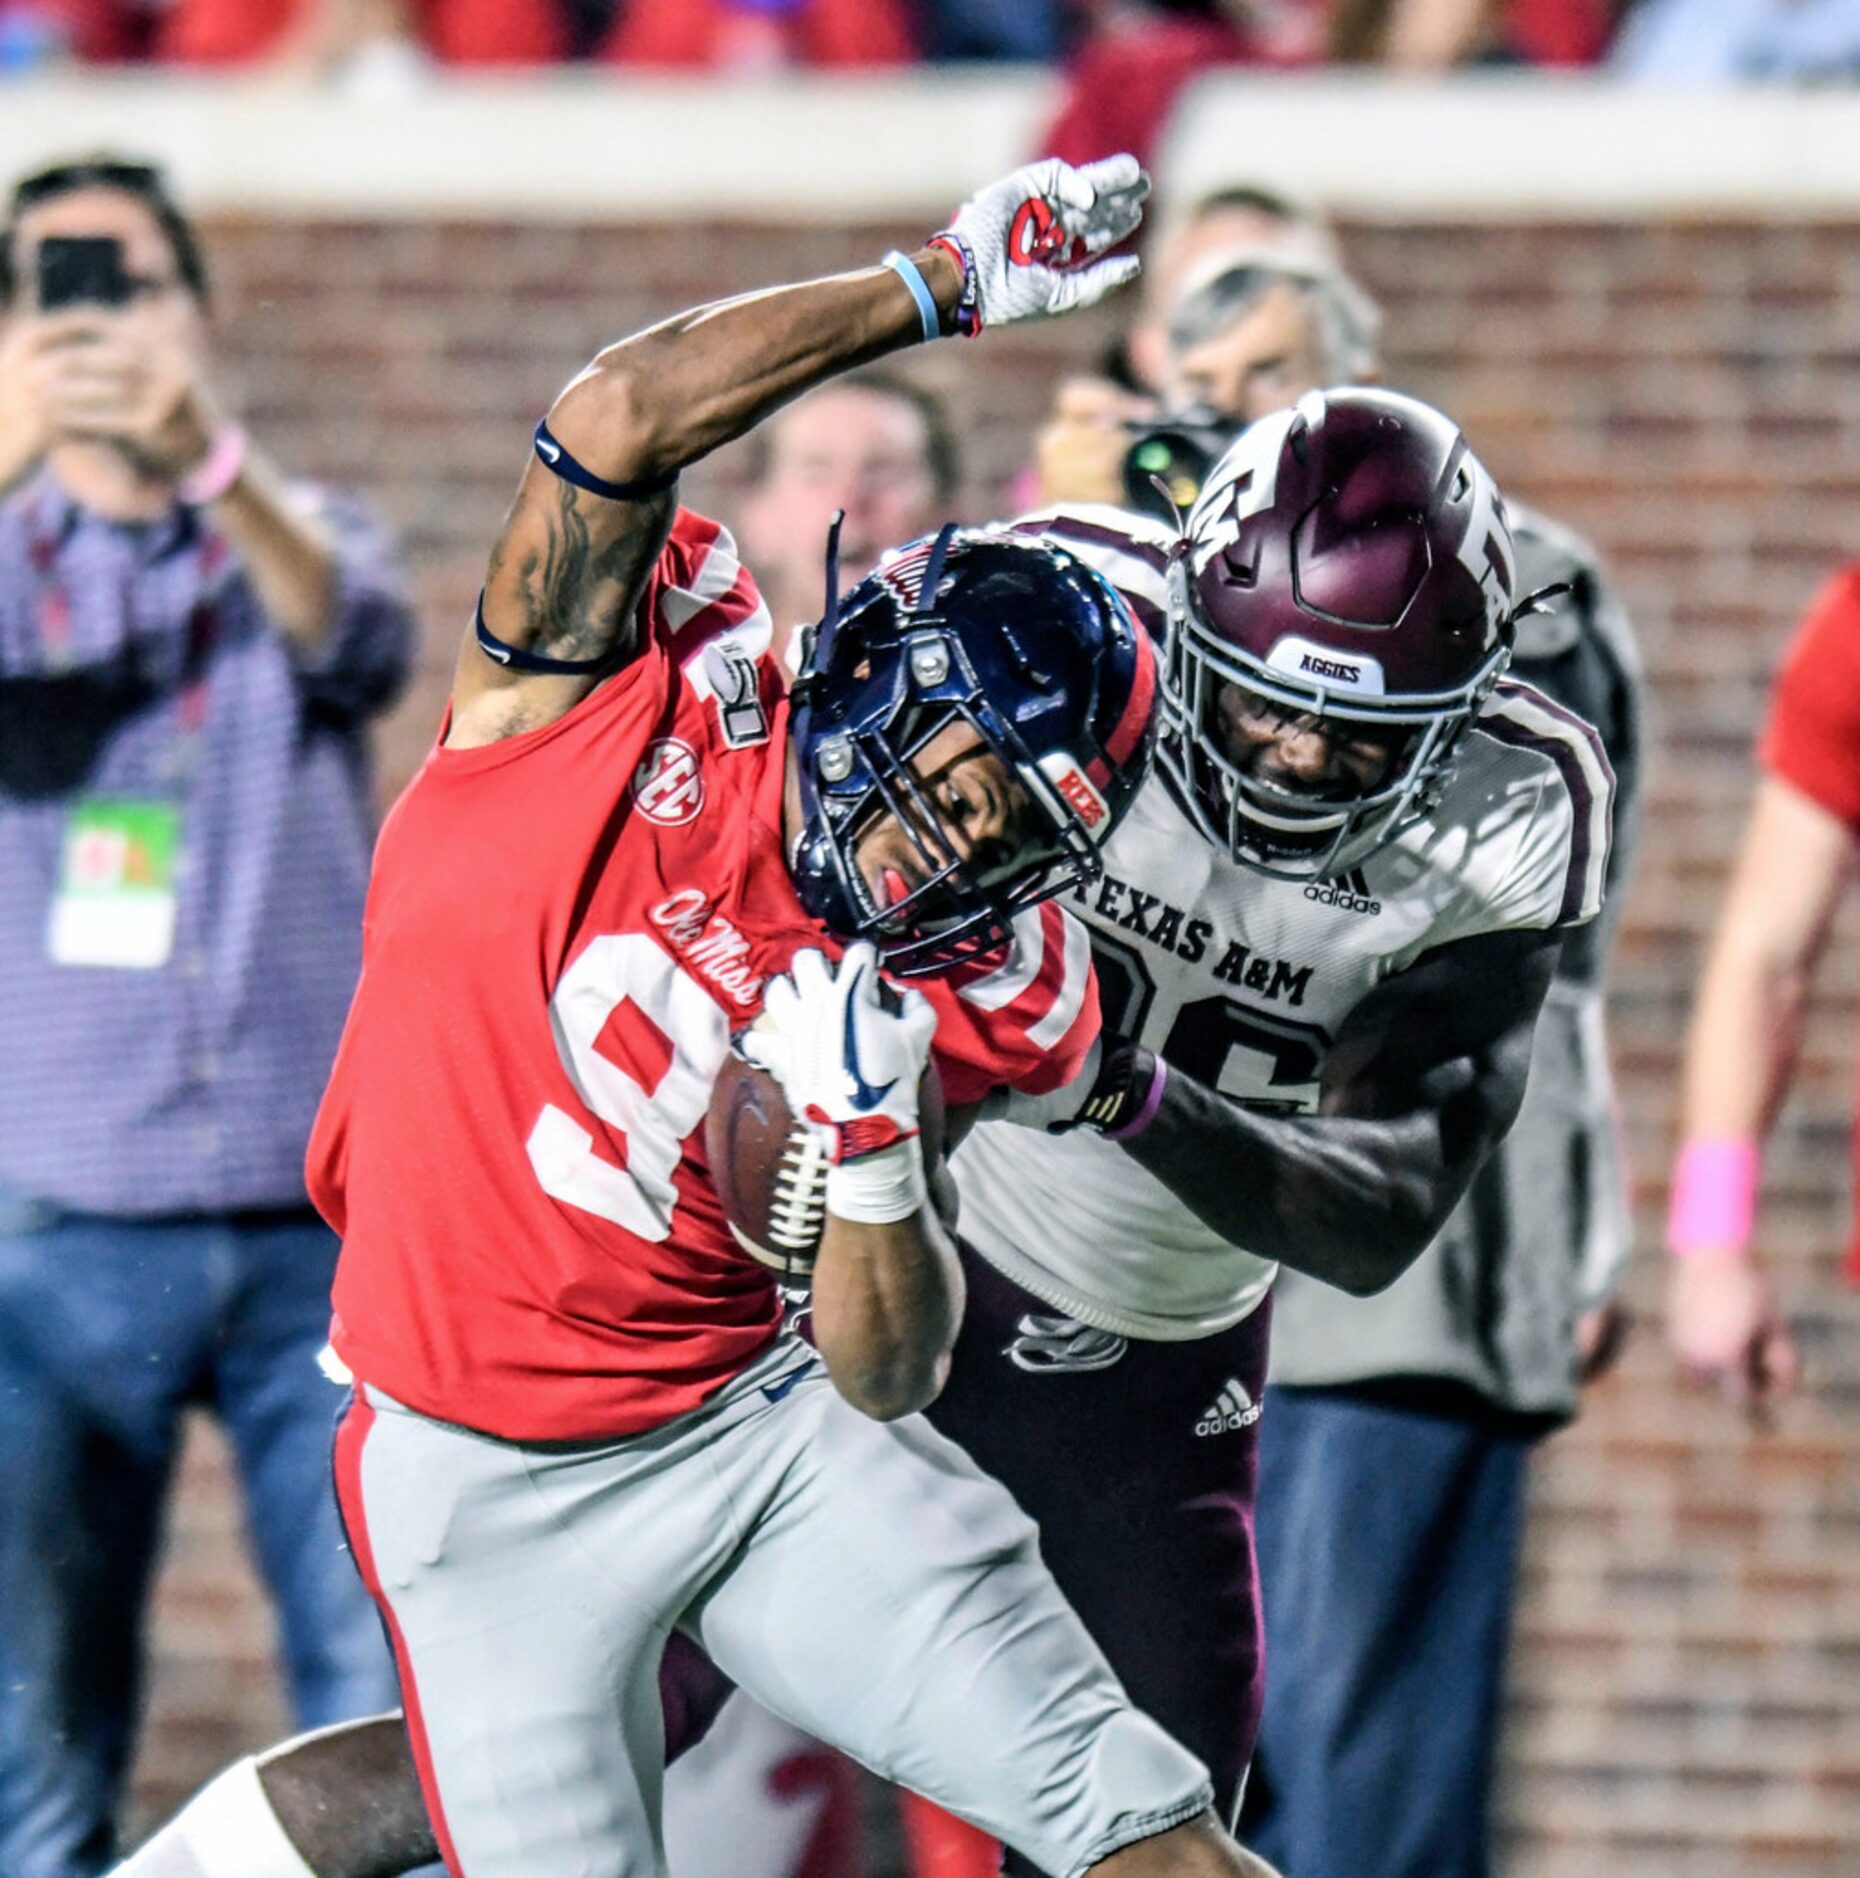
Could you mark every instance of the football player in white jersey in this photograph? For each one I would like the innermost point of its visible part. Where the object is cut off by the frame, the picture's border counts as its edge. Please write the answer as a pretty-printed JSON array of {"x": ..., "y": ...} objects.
[
  {"x": 1398, "y": 1429},
  {"x": 1323, "y": 934}
]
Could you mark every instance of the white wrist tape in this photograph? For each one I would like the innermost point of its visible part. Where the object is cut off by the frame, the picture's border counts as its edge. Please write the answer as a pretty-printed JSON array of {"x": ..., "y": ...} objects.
[
  {"x": 879, "y": 1188},
  {"x": 227, "y": 1830}
]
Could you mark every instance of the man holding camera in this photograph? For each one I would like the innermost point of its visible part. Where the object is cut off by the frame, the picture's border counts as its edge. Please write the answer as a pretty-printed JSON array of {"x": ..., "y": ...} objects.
[
  {"x": 1394, "y": 1440},
  {"x": 189, "y": 653}
]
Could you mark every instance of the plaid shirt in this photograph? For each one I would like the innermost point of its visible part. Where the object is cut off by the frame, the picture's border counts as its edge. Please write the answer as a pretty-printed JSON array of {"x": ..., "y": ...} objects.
[{"x": 136, "y": 661}]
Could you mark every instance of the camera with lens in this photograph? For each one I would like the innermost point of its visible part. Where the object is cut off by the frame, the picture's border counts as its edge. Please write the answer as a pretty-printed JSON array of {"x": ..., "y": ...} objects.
[{"x": 1176, "y": 450}]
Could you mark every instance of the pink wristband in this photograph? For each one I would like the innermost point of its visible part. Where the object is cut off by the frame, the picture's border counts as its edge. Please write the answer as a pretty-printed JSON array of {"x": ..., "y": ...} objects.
[
  {"x": 1714, "y": 1197},
  {"x": 220, "y": 470},
  {"x": 1152, "y": 1101}
]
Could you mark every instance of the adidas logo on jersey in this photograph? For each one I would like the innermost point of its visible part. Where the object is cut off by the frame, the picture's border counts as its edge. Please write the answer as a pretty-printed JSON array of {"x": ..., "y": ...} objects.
[
  {"x": 1349, "y": 893},
  {"x": 1231, "y": 1411}
]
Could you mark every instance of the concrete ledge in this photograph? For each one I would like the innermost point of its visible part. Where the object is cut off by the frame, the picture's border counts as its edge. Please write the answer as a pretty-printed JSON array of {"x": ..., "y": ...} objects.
[
  {"x": 563, "y": 146},
  {"x": 577, "y": 146},
  {"x": 1571, "y": 148}
]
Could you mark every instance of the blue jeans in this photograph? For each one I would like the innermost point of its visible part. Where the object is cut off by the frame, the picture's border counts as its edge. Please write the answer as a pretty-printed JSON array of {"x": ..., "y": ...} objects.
[
  {"x": 1388, "y": 1546},
  {"x": 108, "y": 1329}
]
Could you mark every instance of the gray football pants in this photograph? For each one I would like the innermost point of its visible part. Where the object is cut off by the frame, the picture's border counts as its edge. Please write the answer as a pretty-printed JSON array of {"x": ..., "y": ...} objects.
[{"x": 863, "y": 1580}]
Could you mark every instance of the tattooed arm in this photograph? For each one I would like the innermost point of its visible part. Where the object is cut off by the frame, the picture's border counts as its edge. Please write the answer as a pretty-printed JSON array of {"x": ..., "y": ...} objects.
[{"x": 568, "y": 570}]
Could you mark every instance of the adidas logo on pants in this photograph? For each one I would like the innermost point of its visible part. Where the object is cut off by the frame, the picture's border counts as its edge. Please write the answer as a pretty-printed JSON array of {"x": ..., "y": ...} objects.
[{"x": 1233, "y": 1409}]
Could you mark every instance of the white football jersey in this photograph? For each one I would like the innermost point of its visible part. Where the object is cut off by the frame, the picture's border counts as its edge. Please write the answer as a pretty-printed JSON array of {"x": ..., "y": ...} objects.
[{"x": 1242, "y": 981}]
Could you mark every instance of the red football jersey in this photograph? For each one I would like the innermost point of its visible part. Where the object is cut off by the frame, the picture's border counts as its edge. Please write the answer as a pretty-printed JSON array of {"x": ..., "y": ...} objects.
[{"x": 562, "y": 931}]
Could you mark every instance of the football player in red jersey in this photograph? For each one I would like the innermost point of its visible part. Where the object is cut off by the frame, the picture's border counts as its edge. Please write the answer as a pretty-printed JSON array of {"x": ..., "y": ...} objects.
[{"x": 578, "y": 1426}]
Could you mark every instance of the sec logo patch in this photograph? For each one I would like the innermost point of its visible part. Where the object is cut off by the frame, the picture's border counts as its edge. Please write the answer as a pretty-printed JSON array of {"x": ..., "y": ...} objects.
[{"x": 668, "y": 785}]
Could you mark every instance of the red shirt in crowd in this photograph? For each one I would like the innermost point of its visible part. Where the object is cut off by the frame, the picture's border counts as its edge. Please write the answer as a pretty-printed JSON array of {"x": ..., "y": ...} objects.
[
  {"x": 675, "y": 33},
  {"x": 1812, "y": 739}
]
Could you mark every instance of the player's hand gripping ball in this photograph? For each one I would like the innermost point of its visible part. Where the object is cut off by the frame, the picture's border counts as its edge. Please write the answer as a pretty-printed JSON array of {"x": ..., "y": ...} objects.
[
  {"x": 831, "y": 1115},
  {"x": 847, "y": 1049},
  {"x": 770, "y": 1167},
  {"x": 1028, "y": 242}
]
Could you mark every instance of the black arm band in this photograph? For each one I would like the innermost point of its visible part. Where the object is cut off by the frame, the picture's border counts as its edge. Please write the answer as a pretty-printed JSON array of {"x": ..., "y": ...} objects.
[
  {"x": 1127, "y": 1085},
  {"x": 557, "y": 460},
  {"x": 517, "y": 660}
]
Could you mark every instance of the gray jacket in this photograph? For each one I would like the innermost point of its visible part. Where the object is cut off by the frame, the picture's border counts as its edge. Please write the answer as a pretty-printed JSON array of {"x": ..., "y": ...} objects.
[{"x": 1543, "y": 1232}]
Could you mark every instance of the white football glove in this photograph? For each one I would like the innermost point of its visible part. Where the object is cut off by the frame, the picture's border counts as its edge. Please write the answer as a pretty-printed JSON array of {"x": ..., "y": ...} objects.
[
  {"x": 1026, "y": 242},
  {"x": 849, "y": 1053}
]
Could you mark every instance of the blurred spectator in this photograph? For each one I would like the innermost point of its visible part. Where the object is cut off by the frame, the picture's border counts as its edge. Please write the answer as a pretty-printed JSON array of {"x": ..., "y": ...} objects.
[
  {"x": 1139, "y": 54},
  {"x": 1027, "y": 30},
  {"x": 1740, "y": 41},
  {"x": 1796, "y": 861},
  {"x": 311, "y": 35},
  {"x": 331, "y": 35},
  {"x": 1258, "y": 311},
  {"x": 189, "y": 651},
  {"x": 1410, "y": 35},
  {"x": 1396, "y": 1431},
  {"x": 1423, "y": 36},
  {"x": 876, "y": 446},
  {"x": 750, "y": 35},
  {"x": 1223, "y": 222},
  {"x": 38, "y": 33},
  {"x": 1132, "y": 57},
  {"x": 1555, "y": 32}
]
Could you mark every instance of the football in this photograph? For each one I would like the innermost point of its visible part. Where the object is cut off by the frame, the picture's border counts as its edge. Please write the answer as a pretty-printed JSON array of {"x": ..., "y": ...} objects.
[{"x": 771, "y": 1170}]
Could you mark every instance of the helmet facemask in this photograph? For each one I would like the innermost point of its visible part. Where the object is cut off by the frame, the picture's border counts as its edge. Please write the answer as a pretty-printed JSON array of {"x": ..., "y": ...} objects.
[
  {"x": 1296, "y": 835},
  {"x": 959, "y": 905}
]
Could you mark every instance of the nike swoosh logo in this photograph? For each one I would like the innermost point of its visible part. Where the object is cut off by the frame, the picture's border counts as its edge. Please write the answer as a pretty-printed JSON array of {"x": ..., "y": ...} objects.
[
  {"x": 783, "y": 1386},
  {"x": 864, "y": 1095},
  {"x": 551, "y": 452},
  {"x": 500, "y": 653}
]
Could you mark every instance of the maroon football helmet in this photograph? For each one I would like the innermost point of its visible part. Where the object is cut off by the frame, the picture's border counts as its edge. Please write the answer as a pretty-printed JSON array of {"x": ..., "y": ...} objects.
[{"x": 1348, "y": 560}]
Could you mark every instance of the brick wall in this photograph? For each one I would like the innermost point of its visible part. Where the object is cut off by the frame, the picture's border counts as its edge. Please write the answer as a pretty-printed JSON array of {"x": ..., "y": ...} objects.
[{"x": 1687, "y": 1695}]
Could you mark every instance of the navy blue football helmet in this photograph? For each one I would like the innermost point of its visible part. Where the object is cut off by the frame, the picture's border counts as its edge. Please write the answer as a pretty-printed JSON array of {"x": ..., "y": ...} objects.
[{"x": 1041, "y": 658}]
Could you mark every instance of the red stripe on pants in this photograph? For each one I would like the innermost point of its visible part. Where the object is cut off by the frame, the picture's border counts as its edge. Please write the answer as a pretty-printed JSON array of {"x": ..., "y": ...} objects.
[{"x": 350, "y": 1439}]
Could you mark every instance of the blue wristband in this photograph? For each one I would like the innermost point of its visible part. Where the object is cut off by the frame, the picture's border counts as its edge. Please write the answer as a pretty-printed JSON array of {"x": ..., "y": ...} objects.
[{"x": 906, "y": 270}]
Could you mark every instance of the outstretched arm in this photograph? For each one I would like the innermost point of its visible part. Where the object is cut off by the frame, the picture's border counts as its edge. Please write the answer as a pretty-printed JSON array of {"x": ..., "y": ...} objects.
[
  {"x": 1722, "y": 1318},
  {"x": 1423, "y": 1082},
  {"x": 570, "y": 566},
  {"x": 573, "y": 559}
]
